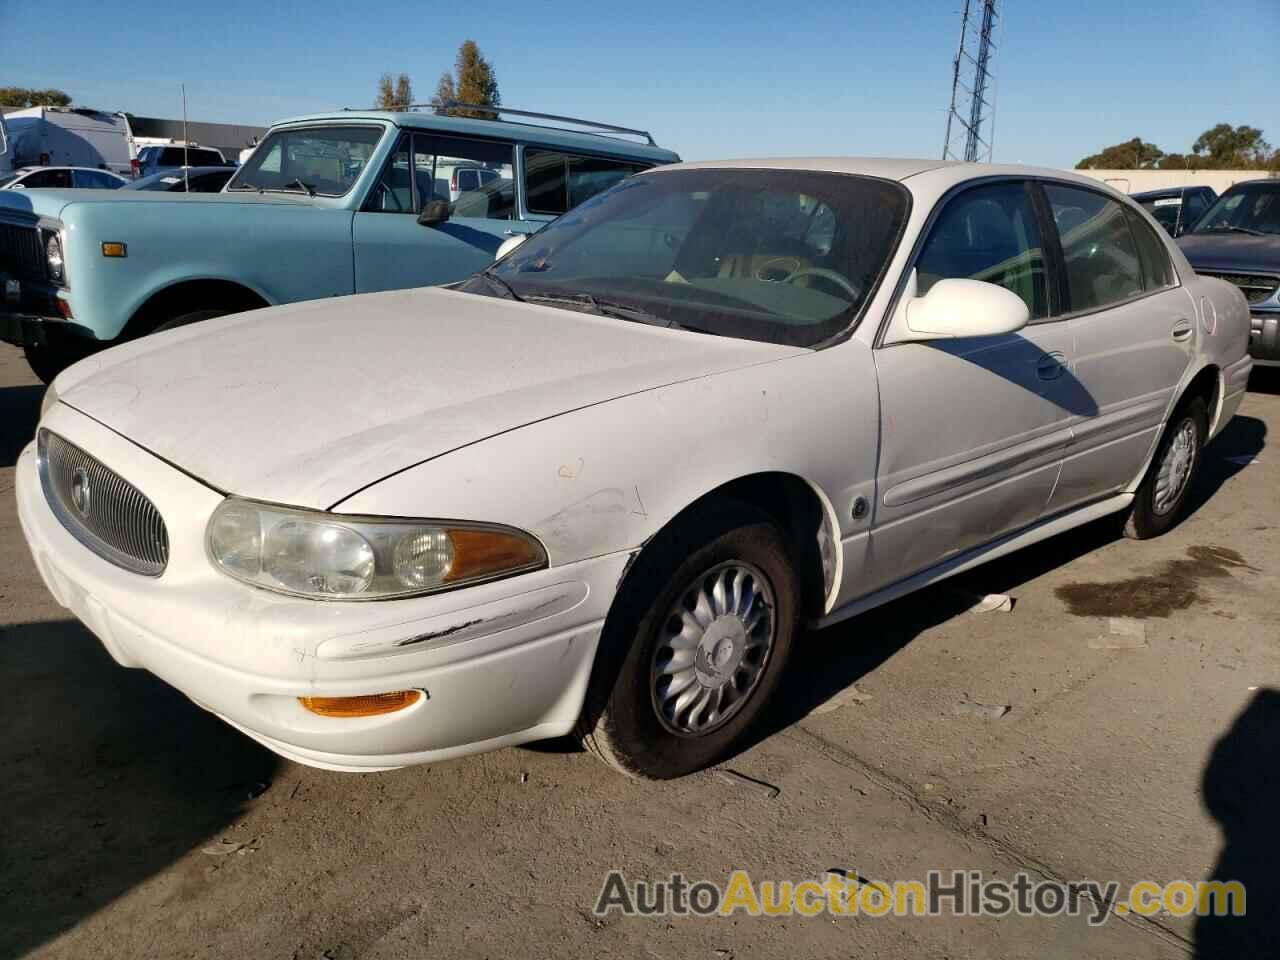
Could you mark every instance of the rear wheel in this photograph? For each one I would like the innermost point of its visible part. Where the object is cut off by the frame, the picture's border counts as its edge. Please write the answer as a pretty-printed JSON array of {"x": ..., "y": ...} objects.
[
  {"x": 695, "y": 644},
  {"x": 1161, "y": 500}
]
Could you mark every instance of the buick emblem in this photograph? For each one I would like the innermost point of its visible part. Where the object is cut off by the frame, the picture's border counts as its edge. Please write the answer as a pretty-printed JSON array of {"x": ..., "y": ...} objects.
[{"x": 80, "y": 493}]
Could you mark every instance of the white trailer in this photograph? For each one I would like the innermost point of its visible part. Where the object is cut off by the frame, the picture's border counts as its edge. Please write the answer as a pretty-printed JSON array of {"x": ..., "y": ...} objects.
[{"x": 66, "y": 137}]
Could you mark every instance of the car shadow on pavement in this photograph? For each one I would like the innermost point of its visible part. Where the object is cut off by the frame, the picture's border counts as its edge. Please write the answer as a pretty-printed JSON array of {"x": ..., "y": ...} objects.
[
  {"x": 1241, "y": 790},
  {"x": 19, "y": 412},
  {"x": 108, "y": 776}
]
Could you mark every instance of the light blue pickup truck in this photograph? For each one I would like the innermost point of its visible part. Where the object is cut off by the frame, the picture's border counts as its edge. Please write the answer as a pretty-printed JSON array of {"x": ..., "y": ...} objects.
[{"x": 327, "y": 205}]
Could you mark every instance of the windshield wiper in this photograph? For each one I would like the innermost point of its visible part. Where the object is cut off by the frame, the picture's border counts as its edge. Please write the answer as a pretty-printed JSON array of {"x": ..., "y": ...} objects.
[
  {"x": 308, "y": 187},
  {"x": 610, "y": 308},
  {"x": 1231, "y": 229},
  {"x": 501, "y": 284}
]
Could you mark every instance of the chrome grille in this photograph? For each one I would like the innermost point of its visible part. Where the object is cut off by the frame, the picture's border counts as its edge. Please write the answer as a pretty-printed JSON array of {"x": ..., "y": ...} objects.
[
  {"x": 101, "y": 509},
  {"x": 1256, "y": 287},
  {"x": 20, "y": 252}
]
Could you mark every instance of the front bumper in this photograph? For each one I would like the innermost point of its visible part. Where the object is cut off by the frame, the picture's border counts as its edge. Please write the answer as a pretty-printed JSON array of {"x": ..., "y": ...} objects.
[
  {"x": 1264, "y": 337},
  {"x": 500, "y": 663},
  {"x": 29, "y": 314}
]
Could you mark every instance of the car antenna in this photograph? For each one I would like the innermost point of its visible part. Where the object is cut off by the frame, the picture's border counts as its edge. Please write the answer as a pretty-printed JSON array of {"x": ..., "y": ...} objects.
[{"x": 186, "y": 161}]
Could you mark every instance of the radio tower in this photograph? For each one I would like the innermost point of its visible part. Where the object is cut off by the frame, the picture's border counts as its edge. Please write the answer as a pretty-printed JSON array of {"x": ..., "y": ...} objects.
[{"x": 970, "y": 81}]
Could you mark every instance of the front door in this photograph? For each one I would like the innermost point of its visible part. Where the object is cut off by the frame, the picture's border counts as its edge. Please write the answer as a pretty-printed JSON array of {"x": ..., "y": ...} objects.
[
  {"x": 973, "y": 429},
  {"x": 1134, "y": 333},
  {"x": 393, "y": 251}
]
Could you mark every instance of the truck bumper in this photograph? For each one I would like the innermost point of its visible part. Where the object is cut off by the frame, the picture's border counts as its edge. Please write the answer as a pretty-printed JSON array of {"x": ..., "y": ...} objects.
[
  {"x": 32, "y": 314},
  {"x": 1264, "y": 337}
]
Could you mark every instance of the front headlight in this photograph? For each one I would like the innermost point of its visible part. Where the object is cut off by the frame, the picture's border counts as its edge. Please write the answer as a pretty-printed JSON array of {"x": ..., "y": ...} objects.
[
  {"x": 328, "y": 556},
  {"x": 54, "y": 262}
]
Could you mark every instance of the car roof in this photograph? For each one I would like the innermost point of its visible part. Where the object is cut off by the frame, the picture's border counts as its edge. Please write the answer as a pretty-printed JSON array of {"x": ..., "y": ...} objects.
[
  {"x": 941, "y": 173},
  {"x": 1161, "y": 193},
  {"x": 507, "y": 129}
]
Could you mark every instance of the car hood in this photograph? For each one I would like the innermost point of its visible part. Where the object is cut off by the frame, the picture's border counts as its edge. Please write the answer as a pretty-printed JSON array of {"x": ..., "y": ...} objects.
[
  {"x": 47, "y": 202},
  {"x": 1231, "y": 251},
  {"x": 307, "y": 403}
]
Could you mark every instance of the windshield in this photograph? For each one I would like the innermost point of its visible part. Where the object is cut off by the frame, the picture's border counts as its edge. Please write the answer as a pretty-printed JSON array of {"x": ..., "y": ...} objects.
[
  {"x": 324, "y": 159},
  {"x": 1165, "y": 210},
  {"x": 1246, "y": 208},
  {"x": 783, "y": 256}
]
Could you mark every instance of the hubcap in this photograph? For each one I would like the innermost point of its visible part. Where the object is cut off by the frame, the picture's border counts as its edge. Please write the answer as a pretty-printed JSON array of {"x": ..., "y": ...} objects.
[
  {"x": 1175, "y": 468},
  {"x": 712, "y": 649}
]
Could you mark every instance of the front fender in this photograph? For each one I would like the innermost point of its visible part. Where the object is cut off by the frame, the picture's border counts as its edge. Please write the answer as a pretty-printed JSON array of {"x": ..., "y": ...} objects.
[
  {"x": 282, "y": 252},
  {"x": 606, "y": 478}
]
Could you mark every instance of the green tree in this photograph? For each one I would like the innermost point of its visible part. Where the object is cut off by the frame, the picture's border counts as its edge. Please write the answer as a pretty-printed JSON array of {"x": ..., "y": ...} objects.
[
  {"x": 1224, "y": 147},
  {"x": 1135, "y": 154},
  {"x": 473, "y": 81},
  {"x": 24, "y": 97},
  {"x": 394, "y": 93}
]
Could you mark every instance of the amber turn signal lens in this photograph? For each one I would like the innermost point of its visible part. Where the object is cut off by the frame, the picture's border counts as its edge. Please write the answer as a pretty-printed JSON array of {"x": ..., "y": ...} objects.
[
  {"x": 372, "y": 705},
  {"x": 479, "y": 553},
  {"x": 115, "y": 250}
]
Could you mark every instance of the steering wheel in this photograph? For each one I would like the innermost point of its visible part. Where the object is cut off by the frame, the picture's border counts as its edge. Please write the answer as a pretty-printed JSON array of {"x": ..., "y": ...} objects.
[{"x": 824, "y": 274}]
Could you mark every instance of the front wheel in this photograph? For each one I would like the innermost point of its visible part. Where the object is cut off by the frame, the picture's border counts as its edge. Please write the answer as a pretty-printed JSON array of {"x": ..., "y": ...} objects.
[
  {"x": 1161, "y": 499},
  {"x": 695, "y": 644},
  {"x": 50, "y": 359}
]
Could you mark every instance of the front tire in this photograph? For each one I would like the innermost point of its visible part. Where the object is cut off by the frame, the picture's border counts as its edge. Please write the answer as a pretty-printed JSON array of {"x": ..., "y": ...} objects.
[
  {"x": 695, "y": 644},
  {"x": 50, "y": 359},
  {"x": 1161, "y": 500},
  {"x": 192, "y": 316}
]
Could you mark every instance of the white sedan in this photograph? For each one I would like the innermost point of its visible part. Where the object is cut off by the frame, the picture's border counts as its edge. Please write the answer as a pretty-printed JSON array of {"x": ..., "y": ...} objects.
[{"x": 603, "y": 486}]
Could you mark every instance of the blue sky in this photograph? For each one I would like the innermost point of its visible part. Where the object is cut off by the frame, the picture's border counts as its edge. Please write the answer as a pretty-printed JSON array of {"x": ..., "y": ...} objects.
[{"x": 709, "y": 78}]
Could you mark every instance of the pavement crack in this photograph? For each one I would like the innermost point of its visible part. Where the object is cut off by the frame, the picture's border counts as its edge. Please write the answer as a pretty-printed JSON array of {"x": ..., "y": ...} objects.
[{"x": 901, "y": 790}]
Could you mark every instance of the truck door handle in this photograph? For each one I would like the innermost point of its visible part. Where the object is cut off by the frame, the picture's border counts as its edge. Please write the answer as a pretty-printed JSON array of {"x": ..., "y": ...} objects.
[
  {"x": 1050, "y": 366},
  {"x": 1182, "y": 330}
]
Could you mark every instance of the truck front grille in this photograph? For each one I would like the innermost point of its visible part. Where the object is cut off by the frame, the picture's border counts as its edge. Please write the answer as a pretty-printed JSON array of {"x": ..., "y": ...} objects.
[
  {"x": 1256, "y": 287},
  {"x": 20, "y": 252},
  {"x": 101, "y": 509}
]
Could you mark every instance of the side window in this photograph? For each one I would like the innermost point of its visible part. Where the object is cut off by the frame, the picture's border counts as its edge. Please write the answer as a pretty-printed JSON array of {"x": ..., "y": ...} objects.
[
  {"x": 48, "y": 178},
  {"x": 1157, "y": 268},
  {"x": 988, "y": 233},
  {"x": 1194, "y": 207},
  {"x": 444, "y": 169},
  {"x": 1102, "y": 260},
  {"x": 394, "y": 192},
  {"x": 556, "y": 182}
]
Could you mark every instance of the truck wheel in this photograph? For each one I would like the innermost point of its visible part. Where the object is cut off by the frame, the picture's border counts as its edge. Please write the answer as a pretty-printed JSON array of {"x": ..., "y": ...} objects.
[
  {"x": 194, "y": 316},
  {"x": 694, "y": 646},
  {"x": 50, "y": 359},
  {"x": 1161, "y": 500}
]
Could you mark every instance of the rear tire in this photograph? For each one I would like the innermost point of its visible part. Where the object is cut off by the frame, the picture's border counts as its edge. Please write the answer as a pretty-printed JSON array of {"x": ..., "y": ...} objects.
[
  {"x": 1161, "y": 500},
  {"x": 670, "y": 695}
]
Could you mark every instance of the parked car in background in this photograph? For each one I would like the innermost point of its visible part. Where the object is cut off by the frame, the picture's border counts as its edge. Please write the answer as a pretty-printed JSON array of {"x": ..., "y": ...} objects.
[
  {"x": 340, "y": 203},
  {"x": 182, "y": 180},
  {"x": 1176, "y": 208},
  {"x": 161, "y": 159},
  {"x": 65, "y": 136},
  {"x": 1238, "y": 240},
  {"x": 30, "y": 178},
  {"x": 713, "y": 404}
]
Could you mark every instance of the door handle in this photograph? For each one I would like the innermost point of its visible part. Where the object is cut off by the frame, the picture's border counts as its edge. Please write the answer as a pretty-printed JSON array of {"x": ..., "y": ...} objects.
[
  {"x": 1182, "y": 330},
  {"x": 1050, "y": 366}
]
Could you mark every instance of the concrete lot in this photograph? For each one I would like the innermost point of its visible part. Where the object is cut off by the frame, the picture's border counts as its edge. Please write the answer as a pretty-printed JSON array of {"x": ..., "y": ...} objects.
[{"x": 1157, "y": 761}]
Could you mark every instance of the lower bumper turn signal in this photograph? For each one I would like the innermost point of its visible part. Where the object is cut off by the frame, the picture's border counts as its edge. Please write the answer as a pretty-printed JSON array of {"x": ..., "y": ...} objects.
[{"x": 371, "y": 705}]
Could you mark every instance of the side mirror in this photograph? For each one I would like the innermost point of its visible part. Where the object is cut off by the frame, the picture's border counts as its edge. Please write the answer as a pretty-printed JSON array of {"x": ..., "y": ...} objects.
[
  {"x": 510, "y": 244},
  {"x": 434, "y": 213},
  {"x": 965, "y": 308}
]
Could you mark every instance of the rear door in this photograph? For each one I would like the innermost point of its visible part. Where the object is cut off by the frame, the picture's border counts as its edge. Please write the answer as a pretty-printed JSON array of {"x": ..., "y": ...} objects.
[
  {"x": 973, "y": 429},
  {"x": 394, "y": 251},
  {"x": 1134, "y": 334}
]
